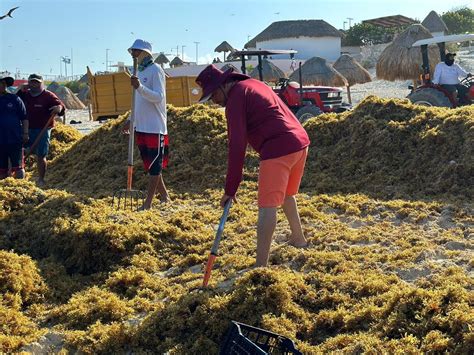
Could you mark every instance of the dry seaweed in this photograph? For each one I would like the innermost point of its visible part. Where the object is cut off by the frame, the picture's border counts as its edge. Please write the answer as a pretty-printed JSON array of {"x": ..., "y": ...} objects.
[{"x": 385, "y": 275}]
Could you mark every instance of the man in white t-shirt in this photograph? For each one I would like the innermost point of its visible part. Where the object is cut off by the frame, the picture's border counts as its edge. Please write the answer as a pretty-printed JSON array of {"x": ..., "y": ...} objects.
[
  {"x": 151, "y": 132},
  {"x": 447, "y": 75}
]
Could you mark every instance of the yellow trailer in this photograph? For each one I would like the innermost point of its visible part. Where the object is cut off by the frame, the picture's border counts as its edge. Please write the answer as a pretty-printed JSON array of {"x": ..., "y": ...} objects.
[{"x": 111, "y": 94}]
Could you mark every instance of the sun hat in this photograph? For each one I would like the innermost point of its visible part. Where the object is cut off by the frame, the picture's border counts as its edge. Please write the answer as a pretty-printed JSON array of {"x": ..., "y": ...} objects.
[
  {"x": 142, "y": 45},
  {"x": 211, "y": 78}
]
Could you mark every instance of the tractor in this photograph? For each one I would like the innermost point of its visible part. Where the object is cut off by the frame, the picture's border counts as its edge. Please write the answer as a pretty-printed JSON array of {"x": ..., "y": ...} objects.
[
  {"x": 304, "y": 102},
  {"x": 429, "y": 94}
]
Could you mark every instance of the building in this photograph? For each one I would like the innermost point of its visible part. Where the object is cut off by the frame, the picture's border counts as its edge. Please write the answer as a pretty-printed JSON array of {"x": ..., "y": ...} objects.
[
  {"x": 435, "y": 24},
  {"x": 310, "y": 38},
  {"x": 391, "y": 21}
]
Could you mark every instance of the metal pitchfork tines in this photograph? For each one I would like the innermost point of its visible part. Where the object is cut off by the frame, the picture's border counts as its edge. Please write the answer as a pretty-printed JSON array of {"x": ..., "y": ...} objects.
[{"x": 129, "y": 198}]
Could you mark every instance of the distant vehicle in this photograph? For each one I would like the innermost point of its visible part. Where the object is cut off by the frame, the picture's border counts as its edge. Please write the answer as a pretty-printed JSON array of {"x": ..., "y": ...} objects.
[
  {"x": 304, "y": 101},
  {"x": 14, "y": 88},
  {"x": 430, "y": 94}
]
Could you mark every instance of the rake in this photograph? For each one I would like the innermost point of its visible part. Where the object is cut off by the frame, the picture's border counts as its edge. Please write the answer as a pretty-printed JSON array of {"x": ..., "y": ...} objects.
[{"x": 129, "y": 198}]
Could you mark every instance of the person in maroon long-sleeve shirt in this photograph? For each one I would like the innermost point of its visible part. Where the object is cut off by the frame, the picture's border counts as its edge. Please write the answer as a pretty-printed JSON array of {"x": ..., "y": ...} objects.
[
  {"x": 257, "y": 116},
  {"x": 40, "y": 105}
]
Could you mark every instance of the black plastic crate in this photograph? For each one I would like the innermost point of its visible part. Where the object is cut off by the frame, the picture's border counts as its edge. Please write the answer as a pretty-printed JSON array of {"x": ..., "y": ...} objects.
[{"x": 245, "y": 339}]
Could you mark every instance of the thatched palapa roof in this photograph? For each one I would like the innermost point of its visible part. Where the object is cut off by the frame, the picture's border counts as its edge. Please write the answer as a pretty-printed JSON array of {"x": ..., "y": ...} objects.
[
  {"x": 294, "y": 29},
  {"x": 316, "y": 71},
  {"x": 233, "y": 56},
  {"x": 65, "y": 94},
  {"x": 230, "y": 66},
  {"x": 351, "y": 70},
  {"x": 434, "y": 23},
  {"x": 401, "y": 61},
  {"x": 270, "y": 72},
  {"x": 161, "y": 59},
  {"x": 224, "y": 47},
  {"x": 176, "y": 62}
]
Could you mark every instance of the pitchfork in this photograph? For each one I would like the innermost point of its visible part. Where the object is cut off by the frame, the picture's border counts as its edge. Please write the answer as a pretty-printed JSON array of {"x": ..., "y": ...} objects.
[
  {"x": 215, "y": 245},
  {"x": 129, "y": 198}
]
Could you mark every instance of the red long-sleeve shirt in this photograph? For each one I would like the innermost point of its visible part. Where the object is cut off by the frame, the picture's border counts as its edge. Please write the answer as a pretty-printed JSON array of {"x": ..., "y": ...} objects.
[
  {"x": 257, "y": 116},
  {"x": 37, "y": 107}
]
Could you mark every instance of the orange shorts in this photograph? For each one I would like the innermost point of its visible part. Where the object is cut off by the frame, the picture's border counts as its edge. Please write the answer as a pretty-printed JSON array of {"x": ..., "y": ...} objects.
[{"x": 280, "y": 177}]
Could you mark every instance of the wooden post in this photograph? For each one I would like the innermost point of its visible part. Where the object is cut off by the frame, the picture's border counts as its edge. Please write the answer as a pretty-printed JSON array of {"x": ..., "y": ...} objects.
[{"x": 349, "y": 94}]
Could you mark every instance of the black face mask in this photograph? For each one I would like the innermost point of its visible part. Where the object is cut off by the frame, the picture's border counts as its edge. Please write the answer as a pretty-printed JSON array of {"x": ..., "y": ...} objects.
[{"x": 449, "y": 62}]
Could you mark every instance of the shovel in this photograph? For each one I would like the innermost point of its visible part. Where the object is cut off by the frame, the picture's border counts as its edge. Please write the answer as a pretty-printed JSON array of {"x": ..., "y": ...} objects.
[
  {"x": 217, "y": 240},
  {"x": 129, "y": 198}
]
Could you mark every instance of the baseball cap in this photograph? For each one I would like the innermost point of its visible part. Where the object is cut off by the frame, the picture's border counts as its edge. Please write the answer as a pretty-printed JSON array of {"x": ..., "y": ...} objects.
[
  {"x": 36, "y": 77},
  {"x": 8, "y": 80}
]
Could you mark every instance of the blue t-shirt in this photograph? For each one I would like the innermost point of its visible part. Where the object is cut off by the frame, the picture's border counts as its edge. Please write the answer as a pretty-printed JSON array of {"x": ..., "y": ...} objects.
[{"x": 12, "y": 112}]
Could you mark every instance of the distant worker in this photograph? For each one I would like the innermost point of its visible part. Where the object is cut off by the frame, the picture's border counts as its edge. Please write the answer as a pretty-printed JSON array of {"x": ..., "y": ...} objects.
[
  {"x": 13, "y": 131},
  {"x": 151, "y": 131},
  {"x": 447, "y": 75},
  {"x": 40, "y": 105}
]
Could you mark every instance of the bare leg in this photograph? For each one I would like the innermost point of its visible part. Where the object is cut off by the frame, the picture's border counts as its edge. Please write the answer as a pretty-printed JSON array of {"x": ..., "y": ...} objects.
[
  {"x": 152, "y": 185},
  {"x": 290, "y": 208},
  {"x": 162, "y": 190},
  {"x": 265, "y": 227},
  {"x": 42, "y": 166}
]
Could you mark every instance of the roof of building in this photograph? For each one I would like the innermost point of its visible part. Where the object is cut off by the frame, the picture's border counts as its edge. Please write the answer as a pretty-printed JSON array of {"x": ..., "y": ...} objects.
[
  {"x": 294, "y": 29},
  {"x": 391, "y": 21}
]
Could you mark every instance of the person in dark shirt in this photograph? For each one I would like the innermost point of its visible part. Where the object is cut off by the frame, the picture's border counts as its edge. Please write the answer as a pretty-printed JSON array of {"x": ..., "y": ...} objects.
[
  {"x": 40, "y": 105},
  {"x": 13, "y": 131},
  {"x": 257, "y": 116}
]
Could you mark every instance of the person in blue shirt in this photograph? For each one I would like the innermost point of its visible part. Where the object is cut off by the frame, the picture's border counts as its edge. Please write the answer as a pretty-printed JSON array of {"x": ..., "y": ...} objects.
[{"x": 13, "y": 131}]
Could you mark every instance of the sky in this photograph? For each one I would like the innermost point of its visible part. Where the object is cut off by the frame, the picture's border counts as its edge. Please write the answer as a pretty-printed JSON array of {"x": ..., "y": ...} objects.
[{"x": 93, "y": 31}]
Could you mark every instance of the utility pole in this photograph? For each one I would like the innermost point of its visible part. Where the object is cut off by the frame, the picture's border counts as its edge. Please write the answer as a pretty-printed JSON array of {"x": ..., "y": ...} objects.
[
  {"x": 72, "y": 67},
  {"x": 60, "y": 66},
  {"x": 197, "y": 43},
  {"x": 344, "y": 25},
  {"x": 107, "y": 59},
  {"x": 182, "y": 52},
  {"x": 177, "y": 51},
  {"x": 350, "y": 19},
  {"x": 66, "y": 61}
]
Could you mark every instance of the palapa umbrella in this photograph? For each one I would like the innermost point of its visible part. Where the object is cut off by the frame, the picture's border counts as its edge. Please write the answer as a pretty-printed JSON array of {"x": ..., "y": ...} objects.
[
  {"x": 401, "y": 61},
  {"x": 352, "y": 71},
  {"x": 316, "y": 71},
  {"x": 224, "y": 47},
  {"x": 161, "y": 59},
  {"x": 176, "y": 62},
  {"x": 230, "y": 66},
  {"x": 270, "y": 72},
  {"x": 232, "y": 56}
]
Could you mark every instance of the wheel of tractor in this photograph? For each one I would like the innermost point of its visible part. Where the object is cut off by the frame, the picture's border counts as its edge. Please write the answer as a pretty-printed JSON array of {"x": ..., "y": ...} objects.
[
  {"x": 307, "y": 112},
  {"x": 430, "y": 97}
]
